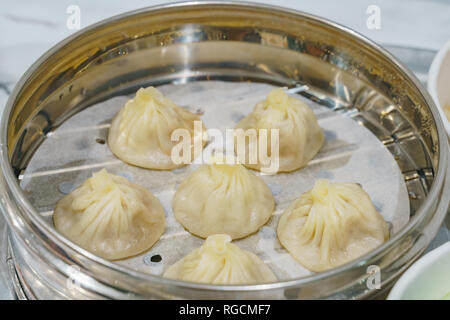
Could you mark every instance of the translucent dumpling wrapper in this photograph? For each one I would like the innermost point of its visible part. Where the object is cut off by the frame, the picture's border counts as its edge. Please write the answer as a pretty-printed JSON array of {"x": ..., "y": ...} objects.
[
  {"x": 218, "y": 261},
  {"x": 330, "y": 225},
  {"x": 299, "y": 137},
  {"x": 223, "y": 198},
  {"x": 110, "y": 217},
  {"x": 141, "y": 132}
]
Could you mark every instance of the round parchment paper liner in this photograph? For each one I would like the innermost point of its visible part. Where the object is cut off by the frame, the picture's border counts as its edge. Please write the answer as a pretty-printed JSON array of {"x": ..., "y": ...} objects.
[{"x": 351, "y": 153}]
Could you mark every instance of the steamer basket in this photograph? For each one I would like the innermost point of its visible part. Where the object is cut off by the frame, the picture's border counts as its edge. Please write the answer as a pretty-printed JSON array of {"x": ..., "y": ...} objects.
[{"x": 229, "y": 41}]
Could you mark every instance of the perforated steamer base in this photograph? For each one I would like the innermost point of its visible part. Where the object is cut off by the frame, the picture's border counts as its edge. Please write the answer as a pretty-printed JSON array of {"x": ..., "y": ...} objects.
[{"x": 351, "y": 153}]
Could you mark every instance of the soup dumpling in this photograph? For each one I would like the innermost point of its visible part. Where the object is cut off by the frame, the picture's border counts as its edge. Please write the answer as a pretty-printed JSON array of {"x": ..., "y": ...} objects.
[
  {"x": 330, "y": 225},
  {"x": 110, "y": 216},
  {"x": 223, "y": 198},
  {"x": 300, "y": 136},
  {"x": 218, "y": 261},
  {"x": 141, "y": 132}
]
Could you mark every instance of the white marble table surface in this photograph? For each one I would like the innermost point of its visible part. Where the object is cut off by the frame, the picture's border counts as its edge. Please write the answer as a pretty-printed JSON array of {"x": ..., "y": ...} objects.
[{"x": 28, "y": 28}]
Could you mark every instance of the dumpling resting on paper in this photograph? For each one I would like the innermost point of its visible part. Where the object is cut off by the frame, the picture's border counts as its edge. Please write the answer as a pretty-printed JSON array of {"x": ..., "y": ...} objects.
[
  {"x": 330, "y": 225},
  {"x": 218, "y": 261},
  {"x": 110, "y": 217},
  {"x": 299, "y": 137},
  {"x": 141, "y": 132},
  {"x": 223, "y": 198}
]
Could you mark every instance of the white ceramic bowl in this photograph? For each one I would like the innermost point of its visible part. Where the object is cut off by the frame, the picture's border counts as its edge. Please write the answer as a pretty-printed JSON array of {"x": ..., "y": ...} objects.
[
  {"x": 439, "y": 82},
  {"x": 428, "y": 278}
]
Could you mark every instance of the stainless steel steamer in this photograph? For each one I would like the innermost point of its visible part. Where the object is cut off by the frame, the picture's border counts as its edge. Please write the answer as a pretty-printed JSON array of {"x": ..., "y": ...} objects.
[{"x": 234, "y": 42}]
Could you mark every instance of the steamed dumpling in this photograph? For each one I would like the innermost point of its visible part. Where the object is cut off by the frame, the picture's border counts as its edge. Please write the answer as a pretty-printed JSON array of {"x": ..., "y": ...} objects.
[
  {"x": 140, "y": 133},
  {"x": 330, "y": 225},
  {"x": 223, "y": 198},
  {"x": 218, "y": 261},
  {"x": 110, "y": 217},
  {"x": 300, "y": 137}
]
